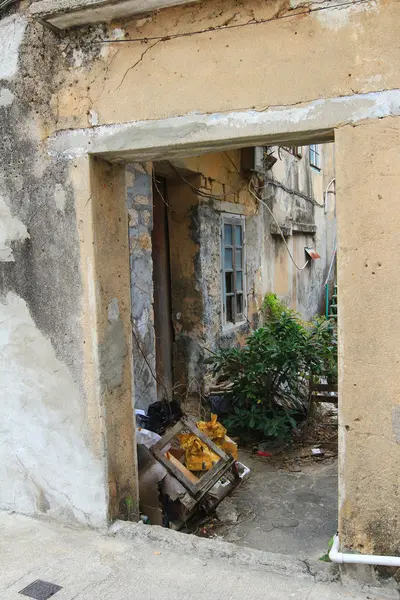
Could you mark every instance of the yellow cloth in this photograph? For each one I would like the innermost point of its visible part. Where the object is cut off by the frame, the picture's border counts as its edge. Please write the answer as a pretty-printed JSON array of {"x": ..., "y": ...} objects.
[
  {"x": 198, "y": 456},
  {"x": 213, "y": 429}
]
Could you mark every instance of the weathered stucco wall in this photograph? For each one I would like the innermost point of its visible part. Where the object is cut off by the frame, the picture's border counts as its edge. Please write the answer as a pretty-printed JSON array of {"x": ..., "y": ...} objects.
[
  {"x": 187, "y": 302},
  {"x": 368, "y": 198},
  {"x": 113, "y": 327},
  {"x": 51, "y": 443},
  {"x": 302, "y": 290},
  {"x": 268, "y": 265},
  {"x": 283, "y": 61}
]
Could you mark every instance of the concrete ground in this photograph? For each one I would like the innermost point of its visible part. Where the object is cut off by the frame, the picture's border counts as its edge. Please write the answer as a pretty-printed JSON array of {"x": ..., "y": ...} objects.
[
  {"x": 149, "y": 563},
  {"x": 286, "y": 508}
]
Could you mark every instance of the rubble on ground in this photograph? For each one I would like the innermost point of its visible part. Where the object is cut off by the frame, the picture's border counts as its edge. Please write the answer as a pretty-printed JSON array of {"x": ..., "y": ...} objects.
[{"x": 184, "y": 475}]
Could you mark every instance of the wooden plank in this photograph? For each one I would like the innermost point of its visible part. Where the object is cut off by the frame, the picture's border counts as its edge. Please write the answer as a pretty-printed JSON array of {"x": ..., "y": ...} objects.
[
  {"x": 210, "y": 478},
  {"x": 169, "y": 436},
  {"x": 177, "y": 473},
  {"x": 188, "y": 474},
  {"x": 204, "y": 438},
  {"x": 191, "y": 425},
  {"x": 324, "y": 387}
]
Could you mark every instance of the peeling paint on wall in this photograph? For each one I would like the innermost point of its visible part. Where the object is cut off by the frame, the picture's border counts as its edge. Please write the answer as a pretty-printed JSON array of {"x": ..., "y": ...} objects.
[
  {"x": 342, "y": 17},
  {"x": 45, "y": 463},
  {"x": 12, "y": 31},
  {"x": 114, "y": 348},
  {"x": 93, "y": 118},
  {"x": 6, "y": 97},
  {"x": 60, "y": 197},
  {"x": 11, "y": 230}
]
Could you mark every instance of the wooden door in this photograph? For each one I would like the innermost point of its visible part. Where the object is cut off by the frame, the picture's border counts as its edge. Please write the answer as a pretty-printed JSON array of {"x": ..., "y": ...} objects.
[{"x": 162, "y": 290}]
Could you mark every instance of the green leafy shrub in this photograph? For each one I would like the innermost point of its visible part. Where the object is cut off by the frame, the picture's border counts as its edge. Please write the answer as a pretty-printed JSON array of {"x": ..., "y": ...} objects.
[
  {"x": 269, "y": 374},
  {"x": 323, "y": 347}
]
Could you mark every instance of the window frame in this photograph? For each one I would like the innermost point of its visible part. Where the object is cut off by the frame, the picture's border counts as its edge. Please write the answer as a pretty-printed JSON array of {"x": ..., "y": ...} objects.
[
  {"x": 315, "y": 157},
  {"x": 238, "y": 318}
]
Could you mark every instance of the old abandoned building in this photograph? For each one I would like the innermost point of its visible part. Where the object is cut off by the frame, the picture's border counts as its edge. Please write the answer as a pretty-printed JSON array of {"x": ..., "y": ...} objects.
[
  {"x": 206, "y": 228},
  {"x": 95, "y": 93}
]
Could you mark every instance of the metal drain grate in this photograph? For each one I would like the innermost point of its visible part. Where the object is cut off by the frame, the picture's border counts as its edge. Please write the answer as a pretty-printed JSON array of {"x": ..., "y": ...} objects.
[{"x": 40, "y": 590}]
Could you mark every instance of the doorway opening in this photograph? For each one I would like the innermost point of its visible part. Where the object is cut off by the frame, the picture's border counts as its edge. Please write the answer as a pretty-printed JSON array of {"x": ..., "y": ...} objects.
[{"x": 235, "y": 235}]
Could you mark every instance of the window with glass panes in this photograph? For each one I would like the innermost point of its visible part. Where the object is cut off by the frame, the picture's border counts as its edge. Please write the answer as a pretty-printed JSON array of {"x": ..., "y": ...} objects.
[
  {"x": 315, "y": 156},
  {"x": 233, "y": 269}
]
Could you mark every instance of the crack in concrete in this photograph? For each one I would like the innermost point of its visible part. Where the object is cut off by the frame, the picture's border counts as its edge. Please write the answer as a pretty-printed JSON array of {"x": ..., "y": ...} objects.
[{"x": 137, "y": 62}]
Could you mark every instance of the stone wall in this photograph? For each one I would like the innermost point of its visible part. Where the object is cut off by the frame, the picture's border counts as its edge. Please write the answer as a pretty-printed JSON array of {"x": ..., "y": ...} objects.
[{"x": 139, "y": 198}]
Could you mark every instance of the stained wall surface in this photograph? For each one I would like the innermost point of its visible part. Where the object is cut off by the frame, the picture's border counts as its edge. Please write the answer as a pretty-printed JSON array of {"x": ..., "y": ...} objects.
[
  {"x": 280, "y": 62},
  {"x": 368, "y": 225}
]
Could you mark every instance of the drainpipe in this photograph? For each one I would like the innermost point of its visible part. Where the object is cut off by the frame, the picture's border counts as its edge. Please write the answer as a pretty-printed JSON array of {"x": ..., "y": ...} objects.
[
  {"x": 327, "y": 300},
  {"x": 326, "y": 284},
  {"x": 361, "y": 559}
]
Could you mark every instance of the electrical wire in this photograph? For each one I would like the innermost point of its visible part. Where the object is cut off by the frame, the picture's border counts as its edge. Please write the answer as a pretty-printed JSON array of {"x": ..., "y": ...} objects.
[
  {"x": 156, "y": 379},
  {"x": 293, "y": 192},
  {"x": 257, "y": 197},
  {"x": 231, "y": 161},
  {"x": 253, "y": 193},
  {"x": 5, "y": 3},
  {"x": 158, "y": 190},
  {"x": 200, "y": 192},
  {"x": 292, "y": 13}
]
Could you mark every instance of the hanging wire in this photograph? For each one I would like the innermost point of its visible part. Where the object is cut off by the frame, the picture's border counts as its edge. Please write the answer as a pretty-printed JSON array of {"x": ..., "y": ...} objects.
[
  {"x": 158, "y": 190},
  {"x": 257, "y": 197},
  {"x": 283, "y": 187},
  {"x": 306, "y": 9}
]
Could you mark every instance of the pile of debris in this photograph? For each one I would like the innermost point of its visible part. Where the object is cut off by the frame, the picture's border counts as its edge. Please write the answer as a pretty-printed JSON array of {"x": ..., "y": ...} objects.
[{"x": 185, "y": 474}]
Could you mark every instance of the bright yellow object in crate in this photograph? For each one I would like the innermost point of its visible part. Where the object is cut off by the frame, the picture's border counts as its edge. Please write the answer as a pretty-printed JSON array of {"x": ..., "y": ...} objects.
[{"x": 198, "y": 457}]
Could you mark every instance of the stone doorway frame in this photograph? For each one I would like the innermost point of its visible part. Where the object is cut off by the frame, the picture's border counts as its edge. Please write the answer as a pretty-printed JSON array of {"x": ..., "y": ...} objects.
[{"x": 176, "y": 137}]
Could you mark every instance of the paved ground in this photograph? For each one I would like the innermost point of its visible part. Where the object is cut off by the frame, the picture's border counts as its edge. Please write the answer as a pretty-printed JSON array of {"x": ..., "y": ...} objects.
[
  {"x": 156, "y": 564},
  {"x": 288, "y": 509}
]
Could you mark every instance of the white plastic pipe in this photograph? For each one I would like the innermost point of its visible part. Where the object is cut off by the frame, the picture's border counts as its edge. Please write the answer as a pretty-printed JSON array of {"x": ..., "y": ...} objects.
[
  {"x": 361, "y": 559},
  {"x": 326, "y": 194}
]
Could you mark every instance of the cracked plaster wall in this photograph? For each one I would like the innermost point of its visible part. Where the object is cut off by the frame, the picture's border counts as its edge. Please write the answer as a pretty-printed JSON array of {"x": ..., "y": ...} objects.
[
  {"x": 276, "y": 62},
  {"x": 52, "y": 459},
  {"x": 112, "y": 313},
  {"x": 301, "y": 290}
]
